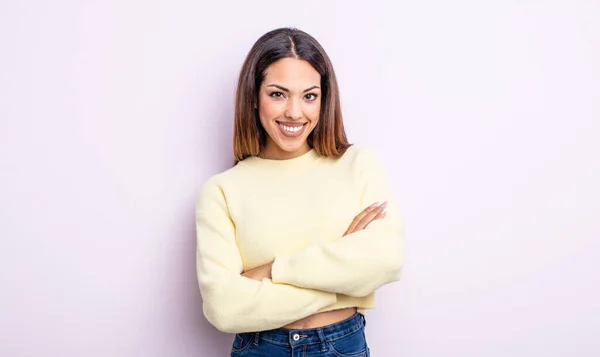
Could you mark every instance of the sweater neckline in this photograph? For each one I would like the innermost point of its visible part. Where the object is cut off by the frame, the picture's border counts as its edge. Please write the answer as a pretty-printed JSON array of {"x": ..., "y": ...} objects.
[{"x": 295, "y": 162}]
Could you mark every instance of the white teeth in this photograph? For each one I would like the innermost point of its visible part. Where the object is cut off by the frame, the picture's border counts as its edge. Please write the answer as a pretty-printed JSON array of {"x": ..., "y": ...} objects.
[{"x": 291, "y": 129}]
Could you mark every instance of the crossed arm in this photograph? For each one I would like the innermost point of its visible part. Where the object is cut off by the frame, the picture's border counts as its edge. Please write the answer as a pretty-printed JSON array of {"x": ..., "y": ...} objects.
[
  {"x": 369, "y": 255},
  {"x": 361, "y": 221}
]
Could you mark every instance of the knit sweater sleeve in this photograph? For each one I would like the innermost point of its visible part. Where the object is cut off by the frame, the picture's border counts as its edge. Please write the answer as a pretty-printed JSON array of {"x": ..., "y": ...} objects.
[
  {"x": 231, "y": 302},
  {"x": 359, "y": 263}
]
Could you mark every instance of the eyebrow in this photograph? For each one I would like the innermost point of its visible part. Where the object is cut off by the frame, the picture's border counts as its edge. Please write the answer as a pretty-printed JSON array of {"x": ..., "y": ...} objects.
[{"x": 287, "y": 90}]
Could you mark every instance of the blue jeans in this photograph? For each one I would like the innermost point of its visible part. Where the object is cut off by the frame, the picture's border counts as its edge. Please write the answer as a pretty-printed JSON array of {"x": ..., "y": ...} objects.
[{"x": 342, "y": 339}]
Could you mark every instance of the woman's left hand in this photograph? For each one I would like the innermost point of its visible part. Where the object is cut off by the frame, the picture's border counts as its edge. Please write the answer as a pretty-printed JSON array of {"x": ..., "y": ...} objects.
[{"x": 259, "y": 273}]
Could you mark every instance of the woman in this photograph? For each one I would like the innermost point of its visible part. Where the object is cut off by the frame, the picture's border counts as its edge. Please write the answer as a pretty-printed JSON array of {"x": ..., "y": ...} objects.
[{"x": 293, "y": 240}]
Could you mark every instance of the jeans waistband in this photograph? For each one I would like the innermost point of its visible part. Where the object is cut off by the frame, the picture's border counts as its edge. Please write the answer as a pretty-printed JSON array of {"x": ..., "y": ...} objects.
[{"x": 296, "y": 337}]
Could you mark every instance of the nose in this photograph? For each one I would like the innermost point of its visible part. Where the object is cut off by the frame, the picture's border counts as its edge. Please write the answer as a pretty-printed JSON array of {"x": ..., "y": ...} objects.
[{"x": 293, "y": 110}]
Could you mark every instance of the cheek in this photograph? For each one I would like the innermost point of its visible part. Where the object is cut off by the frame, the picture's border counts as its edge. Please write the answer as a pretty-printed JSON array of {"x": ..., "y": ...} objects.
[
  {"x": 268, "y": 111},
  {"x": 313, "y": 112}
]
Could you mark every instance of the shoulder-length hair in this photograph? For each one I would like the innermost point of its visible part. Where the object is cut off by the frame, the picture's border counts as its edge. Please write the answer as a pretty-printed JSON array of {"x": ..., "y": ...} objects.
[{"x": 328, "y": 137}]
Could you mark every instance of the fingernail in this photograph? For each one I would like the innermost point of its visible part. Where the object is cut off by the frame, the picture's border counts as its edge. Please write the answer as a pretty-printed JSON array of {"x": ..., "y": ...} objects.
[
  {"x": 384, "y": 204},
  {"x": 384, "y": 210},
  {"x": 374, "y": 204}
]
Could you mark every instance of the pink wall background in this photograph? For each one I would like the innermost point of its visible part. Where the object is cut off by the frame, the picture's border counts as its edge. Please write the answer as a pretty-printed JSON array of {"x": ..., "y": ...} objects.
[{"x": 113, "y": 113}]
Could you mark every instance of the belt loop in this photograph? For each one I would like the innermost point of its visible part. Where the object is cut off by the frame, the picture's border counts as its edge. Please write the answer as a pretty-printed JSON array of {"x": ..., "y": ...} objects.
[
  {"x": 256, "y": 338},
  {"x": 322, "y": 339}
]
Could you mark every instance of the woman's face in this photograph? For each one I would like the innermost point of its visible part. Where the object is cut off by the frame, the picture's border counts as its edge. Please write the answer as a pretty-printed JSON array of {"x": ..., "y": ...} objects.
[{"x": 289, "y": 103}]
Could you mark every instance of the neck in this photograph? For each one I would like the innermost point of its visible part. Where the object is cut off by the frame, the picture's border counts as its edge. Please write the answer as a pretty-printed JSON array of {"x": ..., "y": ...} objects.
[{"x": 274, "y": 152}]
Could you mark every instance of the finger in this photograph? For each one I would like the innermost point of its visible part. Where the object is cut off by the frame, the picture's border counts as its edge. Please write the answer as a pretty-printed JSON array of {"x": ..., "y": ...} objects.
[
  {"x": 371, "y": 216},
  {"x": 360, "y": 216},
  {"x": 382, "y": 213},
  {"x": 367, "y": 210},
  {"x": 379, "y": 215},
  {"x": 365, "y": 221}
]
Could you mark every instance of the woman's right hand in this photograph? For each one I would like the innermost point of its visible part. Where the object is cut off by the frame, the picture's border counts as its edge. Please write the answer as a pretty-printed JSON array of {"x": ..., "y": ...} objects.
[{"x": 368, "y": 215}]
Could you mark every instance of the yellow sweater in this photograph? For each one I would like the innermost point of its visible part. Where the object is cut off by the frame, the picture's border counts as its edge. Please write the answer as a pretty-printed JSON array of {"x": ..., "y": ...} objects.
[{"x": 294, "y": 212}]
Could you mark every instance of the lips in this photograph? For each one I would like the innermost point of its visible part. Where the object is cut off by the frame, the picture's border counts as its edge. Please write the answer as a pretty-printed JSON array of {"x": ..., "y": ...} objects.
[{"x": 291, "y": 129}]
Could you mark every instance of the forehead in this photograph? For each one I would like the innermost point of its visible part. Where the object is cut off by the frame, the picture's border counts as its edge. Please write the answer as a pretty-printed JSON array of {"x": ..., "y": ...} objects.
[{"x": 292, "y": 73}]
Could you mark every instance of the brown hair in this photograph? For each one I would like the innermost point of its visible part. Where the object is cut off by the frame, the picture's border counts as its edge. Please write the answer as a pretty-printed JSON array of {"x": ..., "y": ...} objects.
[{"x": 249, "y": 137}]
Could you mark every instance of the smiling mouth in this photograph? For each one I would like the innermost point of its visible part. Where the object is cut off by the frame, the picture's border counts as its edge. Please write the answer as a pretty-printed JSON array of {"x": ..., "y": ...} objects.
[{"x": 292, "y": 129}]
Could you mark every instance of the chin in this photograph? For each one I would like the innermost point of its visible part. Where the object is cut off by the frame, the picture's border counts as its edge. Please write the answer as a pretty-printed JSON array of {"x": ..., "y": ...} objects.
[
  {"x": 292, "y": 148},
  {"x": 289, "y": 145}
]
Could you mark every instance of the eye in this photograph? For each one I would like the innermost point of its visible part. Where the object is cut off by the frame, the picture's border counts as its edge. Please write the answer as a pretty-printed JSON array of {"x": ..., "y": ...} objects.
[
  {"x": 276, "y": 94},
  {"x": 310, "y": 97}
]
